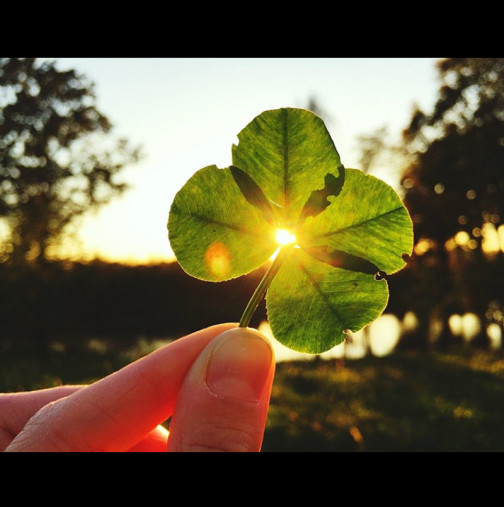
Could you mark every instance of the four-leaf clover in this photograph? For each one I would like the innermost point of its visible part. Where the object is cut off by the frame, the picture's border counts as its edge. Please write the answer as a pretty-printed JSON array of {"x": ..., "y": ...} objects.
[{"x": 336, "y": 232}]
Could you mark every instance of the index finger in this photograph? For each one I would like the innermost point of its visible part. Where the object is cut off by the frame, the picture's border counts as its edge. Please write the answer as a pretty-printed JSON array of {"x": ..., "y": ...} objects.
[{"x": 116, "y": 412}]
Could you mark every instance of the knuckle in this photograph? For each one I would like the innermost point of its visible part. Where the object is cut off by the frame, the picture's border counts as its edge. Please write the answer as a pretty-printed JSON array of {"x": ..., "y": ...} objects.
[
  {"x": 219, "y": 437},
  {"x": 45, "y": 432}
]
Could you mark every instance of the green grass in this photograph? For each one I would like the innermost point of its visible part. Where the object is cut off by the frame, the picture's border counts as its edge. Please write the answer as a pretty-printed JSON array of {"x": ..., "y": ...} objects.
[{"x": 403, "y": 402}]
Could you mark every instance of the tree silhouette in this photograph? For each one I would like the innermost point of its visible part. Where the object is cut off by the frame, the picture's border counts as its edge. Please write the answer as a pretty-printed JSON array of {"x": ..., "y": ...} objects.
[
  {"x": 57, "y": 160},
  {"x": 371, "y": 146},
  {"x": 454, "y": 187}
]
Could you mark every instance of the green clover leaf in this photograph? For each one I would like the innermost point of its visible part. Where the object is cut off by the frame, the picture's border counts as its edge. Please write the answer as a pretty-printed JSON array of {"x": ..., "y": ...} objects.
[{"x": 344, "y": 230}]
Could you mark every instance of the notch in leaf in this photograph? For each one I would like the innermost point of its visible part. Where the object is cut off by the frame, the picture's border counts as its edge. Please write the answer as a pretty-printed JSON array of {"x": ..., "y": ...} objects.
[{"x": 318, "y": 202}]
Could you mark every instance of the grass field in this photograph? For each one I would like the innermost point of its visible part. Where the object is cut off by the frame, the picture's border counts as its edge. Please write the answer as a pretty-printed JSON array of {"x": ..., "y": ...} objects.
[{"x": 402, "y": 402}]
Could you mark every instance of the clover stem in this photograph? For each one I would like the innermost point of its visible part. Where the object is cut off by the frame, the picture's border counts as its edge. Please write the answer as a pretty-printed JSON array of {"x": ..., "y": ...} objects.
[{"x": 261, "y": 289}]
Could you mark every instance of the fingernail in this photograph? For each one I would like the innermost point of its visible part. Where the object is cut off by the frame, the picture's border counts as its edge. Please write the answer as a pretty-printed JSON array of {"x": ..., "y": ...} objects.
[{"x": 239, "y": 365}]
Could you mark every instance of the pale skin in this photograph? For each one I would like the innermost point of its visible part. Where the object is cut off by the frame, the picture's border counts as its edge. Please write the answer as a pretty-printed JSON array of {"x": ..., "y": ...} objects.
[{"x": 215, "y": 384}]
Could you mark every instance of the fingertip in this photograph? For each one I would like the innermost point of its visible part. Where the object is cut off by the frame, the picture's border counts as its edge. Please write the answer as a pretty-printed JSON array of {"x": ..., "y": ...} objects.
[
  {"x": 239, "y": 365},
  {"x": 224, "y": 400}
]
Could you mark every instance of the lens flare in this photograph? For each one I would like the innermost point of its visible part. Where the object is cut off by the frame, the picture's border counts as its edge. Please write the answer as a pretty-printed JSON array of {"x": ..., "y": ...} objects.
[{"x": 217, "y": 258}]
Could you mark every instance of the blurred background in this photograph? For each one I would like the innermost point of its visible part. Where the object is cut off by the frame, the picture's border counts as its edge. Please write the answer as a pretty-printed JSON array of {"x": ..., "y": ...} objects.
[{"x": 92, "y": 152}]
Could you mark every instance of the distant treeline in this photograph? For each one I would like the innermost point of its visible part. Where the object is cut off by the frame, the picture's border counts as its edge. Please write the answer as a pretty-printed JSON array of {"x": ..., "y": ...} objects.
[{"x": 69, "y": 303}]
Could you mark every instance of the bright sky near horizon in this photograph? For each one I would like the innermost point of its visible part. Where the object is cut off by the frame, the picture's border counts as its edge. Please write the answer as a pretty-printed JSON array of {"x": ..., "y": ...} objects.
[{"x": 186, "y": 113}]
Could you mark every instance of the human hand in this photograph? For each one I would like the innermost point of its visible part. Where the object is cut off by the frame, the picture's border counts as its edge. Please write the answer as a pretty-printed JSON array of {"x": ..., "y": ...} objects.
[{"x": 215, "y": 384}]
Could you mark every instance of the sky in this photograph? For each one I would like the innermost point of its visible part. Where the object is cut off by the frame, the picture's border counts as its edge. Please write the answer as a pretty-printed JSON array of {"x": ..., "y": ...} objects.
[{"x": 185, "y": 113}]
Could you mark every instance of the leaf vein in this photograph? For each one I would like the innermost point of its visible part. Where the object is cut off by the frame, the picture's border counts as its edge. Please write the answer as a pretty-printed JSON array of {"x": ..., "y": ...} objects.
[
  {"x": 359, "y": 224},
  {"x": 223, "y": 224},
  {"x": 323, "y": 296},
  {"x": 285, "y": 158}
]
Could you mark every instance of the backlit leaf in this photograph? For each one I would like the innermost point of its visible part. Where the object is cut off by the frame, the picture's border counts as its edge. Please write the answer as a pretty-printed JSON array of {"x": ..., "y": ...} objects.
[
  {"x": 214, "y": 231},
  {"x": 351, "y": 230},
  {"x": 367, "y": 219},
  {"x": 310, "y": 303},
  {"x": 288, "y": 153}
]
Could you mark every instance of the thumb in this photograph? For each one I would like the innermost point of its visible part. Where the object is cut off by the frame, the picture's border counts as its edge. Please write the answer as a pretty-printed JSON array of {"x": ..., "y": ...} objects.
[{"x": 224, "y": 399}]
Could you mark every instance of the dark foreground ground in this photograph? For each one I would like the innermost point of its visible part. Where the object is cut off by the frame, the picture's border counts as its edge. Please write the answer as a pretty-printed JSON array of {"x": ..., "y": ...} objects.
[{"x": 403, "y": 402}]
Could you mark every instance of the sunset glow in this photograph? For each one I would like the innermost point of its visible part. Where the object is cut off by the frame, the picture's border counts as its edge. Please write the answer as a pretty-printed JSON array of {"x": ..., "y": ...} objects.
[{"x": 182, "y": 126}]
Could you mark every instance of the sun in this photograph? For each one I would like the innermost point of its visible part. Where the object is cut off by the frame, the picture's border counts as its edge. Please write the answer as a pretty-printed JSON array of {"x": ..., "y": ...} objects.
[{"x": 285, "y": 237}]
